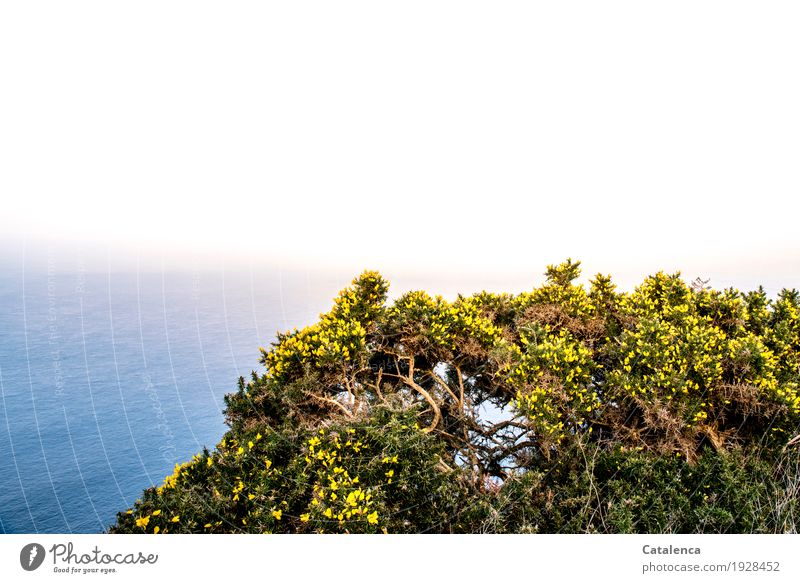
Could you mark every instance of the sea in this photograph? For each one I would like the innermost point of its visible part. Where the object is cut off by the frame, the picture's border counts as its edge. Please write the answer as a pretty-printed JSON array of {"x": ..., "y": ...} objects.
[{"x": 107, "y": 380}]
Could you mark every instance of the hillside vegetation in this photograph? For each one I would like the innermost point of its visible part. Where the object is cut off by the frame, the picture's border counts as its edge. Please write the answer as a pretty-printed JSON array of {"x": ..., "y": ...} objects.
[{"x": 671, "y": 408}]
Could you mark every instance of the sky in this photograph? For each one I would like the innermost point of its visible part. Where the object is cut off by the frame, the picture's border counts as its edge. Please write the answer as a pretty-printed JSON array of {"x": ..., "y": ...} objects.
[{"x": 468, "y": 141}]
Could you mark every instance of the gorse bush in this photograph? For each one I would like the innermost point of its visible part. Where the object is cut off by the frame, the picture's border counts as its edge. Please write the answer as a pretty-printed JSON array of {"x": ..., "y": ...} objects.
[{"x": 562, "y": 409}]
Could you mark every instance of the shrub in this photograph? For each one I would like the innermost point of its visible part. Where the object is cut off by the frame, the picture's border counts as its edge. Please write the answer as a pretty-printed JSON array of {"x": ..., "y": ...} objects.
[{"x": 664, "y": 409}]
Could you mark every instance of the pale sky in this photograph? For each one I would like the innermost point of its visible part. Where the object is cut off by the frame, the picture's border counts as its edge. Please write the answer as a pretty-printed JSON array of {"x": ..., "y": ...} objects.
[{"x": 426, "y": 138}]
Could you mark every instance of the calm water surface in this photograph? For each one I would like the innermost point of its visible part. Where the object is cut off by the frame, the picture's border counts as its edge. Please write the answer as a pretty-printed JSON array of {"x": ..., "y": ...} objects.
[{"x": 108, "y": 380}]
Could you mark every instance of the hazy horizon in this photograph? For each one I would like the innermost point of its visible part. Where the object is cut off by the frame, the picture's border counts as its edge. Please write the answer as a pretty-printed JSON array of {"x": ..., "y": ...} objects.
[{"x": 774, "y": 273}]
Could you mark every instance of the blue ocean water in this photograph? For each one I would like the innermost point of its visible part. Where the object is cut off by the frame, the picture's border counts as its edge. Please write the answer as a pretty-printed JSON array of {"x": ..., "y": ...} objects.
[{"x": 108, "y": 379}]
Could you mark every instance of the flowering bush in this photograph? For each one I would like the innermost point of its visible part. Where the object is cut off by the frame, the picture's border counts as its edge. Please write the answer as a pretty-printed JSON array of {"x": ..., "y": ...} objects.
[{"x": 424, "y": 414}]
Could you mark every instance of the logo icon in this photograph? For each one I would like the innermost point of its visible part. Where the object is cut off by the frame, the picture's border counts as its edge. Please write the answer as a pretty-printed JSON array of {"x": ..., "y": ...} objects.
[{"x": 31, "y": 556}]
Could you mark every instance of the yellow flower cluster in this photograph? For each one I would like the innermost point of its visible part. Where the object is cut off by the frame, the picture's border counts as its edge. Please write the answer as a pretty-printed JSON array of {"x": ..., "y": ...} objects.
[
  {"x": 337, "y": 496},
  {"x": 784, "y": 338},
  {"x": 659, "y": 295},
  {"x": 573, "y": 299},
  {"x": 339, "y": 336},
  {"x": 143, "y": 521},
  {"x": 603, "y": 292},
  {"x": 171, "y": 480},
  {"x": 557, "y": 358},
  {"x": 684, "y": 341},
  {"x": 664, "y": 358},
  {"x": 560, "y": 291},
  {"x": 445, "y": 323},
  {"x": 756, "y": 362},
  {"x": 389, "y": 460},
  {"x": 672, "y": 352}
]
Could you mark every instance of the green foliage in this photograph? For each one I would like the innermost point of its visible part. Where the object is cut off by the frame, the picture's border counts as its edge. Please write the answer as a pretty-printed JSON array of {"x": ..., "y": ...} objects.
[
  {"x": 367, "y": 476},
  {"x": 664, "y": 409},
  {"x": 597, "y": 490}
]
